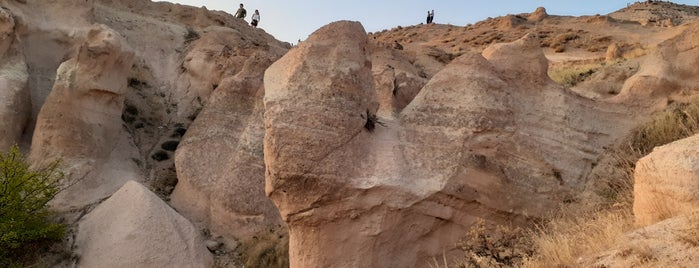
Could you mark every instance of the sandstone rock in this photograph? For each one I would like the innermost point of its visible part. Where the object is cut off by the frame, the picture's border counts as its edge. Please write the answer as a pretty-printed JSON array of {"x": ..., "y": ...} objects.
[
  {"x": 15, "y": 102},
  {"x": 80, "y": 123},
  {"x": 478, "y": 141},
  {"x": 613, "y": 53},
  {"x": 538, "y": 15},
  {"x": 666, "y": 72},
  {"x": 670, "y": 243},
  {"x": 665, "y": 182},
  {"x": 134, "y": 228},
  {"x": 396, "y": 80},
  {"x": 220, "y": 164}
]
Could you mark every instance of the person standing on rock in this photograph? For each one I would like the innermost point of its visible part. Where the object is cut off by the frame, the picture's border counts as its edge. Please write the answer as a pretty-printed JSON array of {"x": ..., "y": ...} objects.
[
  {"x": 241, "y": 13},
  {"x": 255, "y": 18},
  {"x": 428, "y": 17},
  {"x": 431, "y": 16}
]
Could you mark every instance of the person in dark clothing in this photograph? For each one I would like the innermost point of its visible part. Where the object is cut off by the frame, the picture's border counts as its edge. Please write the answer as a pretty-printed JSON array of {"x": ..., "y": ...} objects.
[{"x": 241, "y": 13}]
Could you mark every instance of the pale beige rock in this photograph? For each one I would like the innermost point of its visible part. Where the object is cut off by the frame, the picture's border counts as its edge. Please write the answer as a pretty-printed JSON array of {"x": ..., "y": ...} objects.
[
  {"x": 665, "y": 182},
  {"x": 396, "y": 81},
  {"x": 220, "y": 165},
  {"x": 80, "y": 123},
  {"x": 670, "y": 243},
  {"x": 15, "y": 102},
  {"x": 134, "y": 228},
  {"x": 488, "y": 137}
]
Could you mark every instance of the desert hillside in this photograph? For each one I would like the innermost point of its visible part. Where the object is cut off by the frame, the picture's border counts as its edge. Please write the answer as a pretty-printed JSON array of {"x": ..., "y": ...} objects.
[{"x": 190, "y": 139}]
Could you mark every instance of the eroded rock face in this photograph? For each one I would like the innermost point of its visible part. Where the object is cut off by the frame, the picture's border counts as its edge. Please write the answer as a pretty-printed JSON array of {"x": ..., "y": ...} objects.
[
  {"x": 667, "y": 73},
  {"x": 15, "y": 103},
  {"x": 488, "y": 137},
  {"x": 80, "y": 122},
  {"x": 220, "y": 163},
  {"x": 665, "y": 182},
  {"x": 134, "y": 228}
]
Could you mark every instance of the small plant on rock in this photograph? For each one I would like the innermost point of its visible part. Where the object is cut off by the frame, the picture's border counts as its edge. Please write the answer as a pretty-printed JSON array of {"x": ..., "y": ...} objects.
[{"x": 24, "y": 194}]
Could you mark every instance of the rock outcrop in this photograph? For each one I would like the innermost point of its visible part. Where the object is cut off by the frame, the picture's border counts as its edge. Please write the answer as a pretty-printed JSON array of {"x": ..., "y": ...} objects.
[
  {"x": 80, "y": 122},
  {"x": 15, "y": 102},
  {"x": 488, "y": 137},
  {"x": 665, "y": 182},
  {"x": 669, "y": 72},
  {"x": 669, "y": 243},
  {"x": 220, "y": 163},
  {"x": 135, "y": 228}
]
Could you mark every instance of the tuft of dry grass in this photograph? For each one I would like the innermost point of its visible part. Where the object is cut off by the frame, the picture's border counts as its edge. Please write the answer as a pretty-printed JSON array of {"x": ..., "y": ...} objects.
[
  {"x": 570, "y": 236},
  {"x": 571, "y": 76},
  {"x": 268, "y": 249}
]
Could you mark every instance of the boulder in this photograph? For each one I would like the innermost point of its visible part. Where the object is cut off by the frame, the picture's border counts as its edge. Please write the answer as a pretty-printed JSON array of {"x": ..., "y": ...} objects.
[
  {"x": 665, "y": 182},
  {"x": 489, "y": 137},
  {"x": 538, "y": 15},
  {"x": 135, "y": 228},
  {"x": 670, "y": 243},
  {"x": 80, "y": 122},
  {"x": 15, "y": 102},
  {"x": 220, "y": 163}
]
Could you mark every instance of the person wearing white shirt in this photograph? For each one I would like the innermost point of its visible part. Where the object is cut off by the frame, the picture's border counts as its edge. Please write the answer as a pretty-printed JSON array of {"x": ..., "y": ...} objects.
[{"x": 255, "y": 18}]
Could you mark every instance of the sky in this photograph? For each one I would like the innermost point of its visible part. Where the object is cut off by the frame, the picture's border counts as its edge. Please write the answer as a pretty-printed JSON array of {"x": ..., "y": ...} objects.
[{"x": 293, "y": 20}]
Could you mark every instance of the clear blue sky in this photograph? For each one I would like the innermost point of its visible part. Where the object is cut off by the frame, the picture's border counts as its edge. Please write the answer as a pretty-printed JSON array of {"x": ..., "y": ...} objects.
[{"x": 290, "y": 20}]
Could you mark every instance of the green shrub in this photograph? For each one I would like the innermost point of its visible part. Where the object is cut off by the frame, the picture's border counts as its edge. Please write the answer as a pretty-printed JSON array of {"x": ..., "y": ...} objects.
[{"x": 24, "y": 193}]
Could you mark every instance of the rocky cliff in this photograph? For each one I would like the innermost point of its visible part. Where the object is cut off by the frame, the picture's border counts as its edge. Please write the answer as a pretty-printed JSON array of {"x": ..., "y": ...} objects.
[{"x": 370, "y": 150}]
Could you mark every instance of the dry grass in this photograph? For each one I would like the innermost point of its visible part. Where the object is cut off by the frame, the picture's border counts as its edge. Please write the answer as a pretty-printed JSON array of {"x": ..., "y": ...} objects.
[
  {"x": 583, "y": 229},
  {"x": 568, "y": 237},
  {"x": 268, "y": 249},
  {"x": 570, "y": 76}
]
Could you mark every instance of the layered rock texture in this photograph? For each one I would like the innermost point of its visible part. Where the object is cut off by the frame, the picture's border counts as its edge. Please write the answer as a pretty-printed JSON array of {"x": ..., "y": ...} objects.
[
  {"x": 134, "y": 228},
  {"x": 375, "y": 150},
  {"x": 220, "y": 163},
  {"x": 478, "y": 141}
]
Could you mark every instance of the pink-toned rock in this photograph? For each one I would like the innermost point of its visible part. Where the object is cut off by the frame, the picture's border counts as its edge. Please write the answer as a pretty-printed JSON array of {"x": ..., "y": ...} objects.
[
  {"x": 15, "y": 102},
  {"x": 488, "y": 137},
  {"x": 665, "y": 182},
  {"x": 135, "y": 228},
  {"x": 80, "y": 122},
  {"x": 220, "y": 165}
]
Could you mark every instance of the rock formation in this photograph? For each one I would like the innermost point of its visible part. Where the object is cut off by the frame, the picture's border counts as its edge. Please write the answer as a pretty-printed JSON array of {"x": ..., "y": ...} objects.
[
  {"x": 135, "y": 228},
  {"x": 220, "y": 165},
  {"x": 669, "y": 243},
  {"x": 80, "y": 122},
  {"x": 488, "y": 137},
  {"x": 665, "y": 182},
  {"x": 669, "y": 72},
  {"x": 15, "y": 103}
]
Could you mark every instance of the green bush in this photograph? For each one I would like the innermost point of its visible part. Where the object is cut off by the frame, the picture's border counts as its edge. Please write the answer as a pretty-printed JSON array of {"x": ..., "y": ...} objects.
[{"x": 24, "y": 193}]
